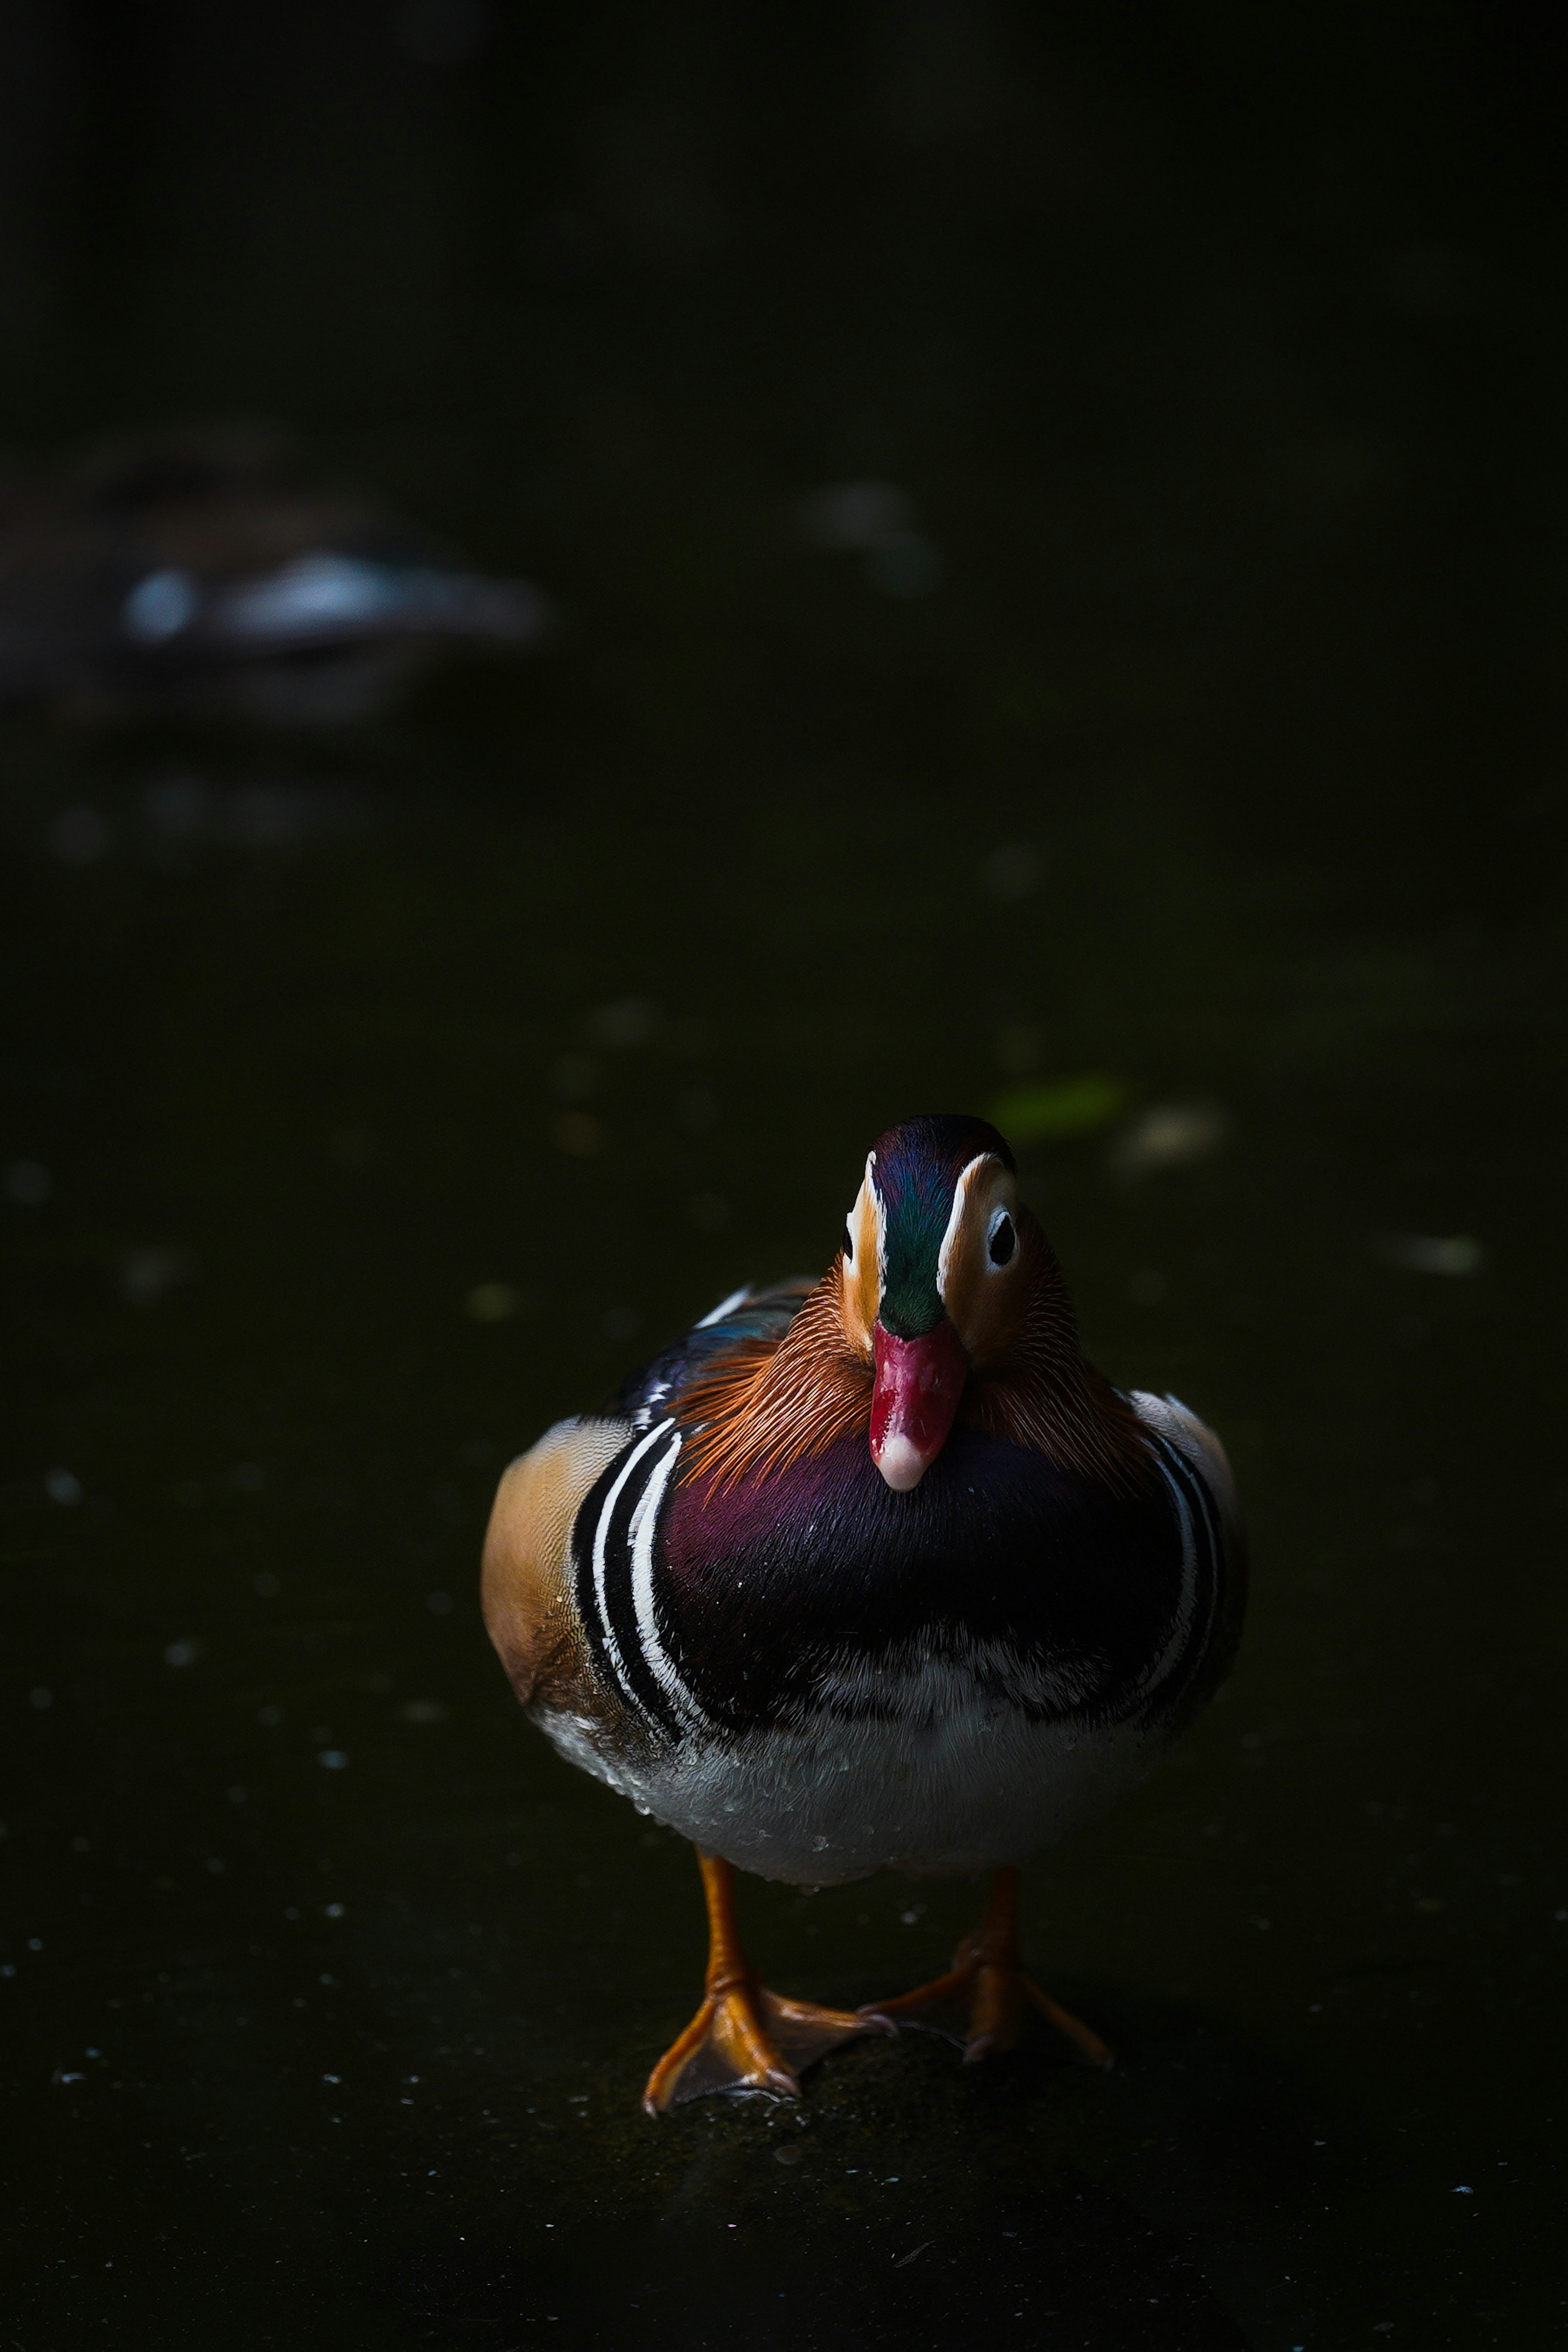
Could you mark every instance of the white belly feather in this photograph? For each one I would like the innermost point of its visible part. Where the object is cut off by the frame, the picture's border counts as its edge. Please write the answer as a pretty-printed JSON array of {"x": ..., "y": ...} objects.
[
  {"x": 946, "y": 1778},
  {"x": 927, "y": 1764}
]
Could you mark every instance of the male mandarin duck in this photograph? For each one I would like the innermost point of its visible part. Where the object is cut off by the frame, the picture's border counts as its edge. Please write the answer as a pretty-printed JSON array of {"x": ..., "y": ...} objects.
[
  {"x": 874, "y": 1573},
  {"x": 206, "y": 571}
]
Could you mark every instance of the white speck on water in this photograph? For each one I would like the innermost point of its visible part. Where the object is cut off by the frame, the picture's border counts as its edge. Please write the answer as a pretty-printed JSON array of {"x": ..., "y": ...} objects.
[
  {"x": 333, "y": 1910},
  {"x": 332, "y": 2078},
  {"x": 63, "y": 1486},
  {"x": 41, "y": 1698},
  {"x": 182, "y": 1654},
  {"x": 332, "y": 1760}
]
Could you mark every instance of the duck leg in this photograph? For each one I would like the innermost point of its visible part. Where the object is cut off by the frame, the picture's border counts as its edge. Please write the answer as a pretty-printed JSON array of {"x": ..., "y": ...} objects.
[
  {"x": 986, "y": 1975},
  {"x": 744, "y": 2038}
]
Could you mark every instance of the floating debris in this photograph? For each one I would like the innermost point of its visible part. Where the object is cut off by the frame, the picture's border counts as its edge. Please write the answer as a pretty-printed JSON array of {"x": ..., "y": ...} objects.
[
  {"x": 493, "y": 1302},
  {"x": 1169, "y": 1135},
  {"x": 1449, "y": 1254},
  {"x": 875, "y": 520},
  {"x": 856, "y": 517},
  {"x": 629, "y": 1021},
  {"x": 146, "y": 1274},
  {"x": 1058, "y": 1108}
]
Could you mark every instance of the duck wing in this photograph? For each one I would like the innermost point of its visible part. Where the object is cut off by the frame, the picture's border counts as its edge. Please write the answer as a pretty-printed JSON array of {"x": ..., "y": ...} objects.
[
  {"x": 746, "y": 1319},
  {"x": 528, "y": 1579}
]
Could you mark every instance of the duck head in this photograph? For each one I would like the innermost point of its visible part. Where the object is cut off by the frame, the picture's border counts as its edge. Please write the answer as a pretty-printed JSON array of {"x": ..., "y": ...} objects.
[{"x": 933, "y": 1279}]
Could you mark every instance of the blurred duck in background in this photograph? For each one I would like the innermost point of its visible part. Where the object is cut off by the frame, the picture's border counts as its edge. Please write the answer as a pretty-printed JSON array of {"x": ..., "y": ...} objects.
[{"x": 203, "y": 571}]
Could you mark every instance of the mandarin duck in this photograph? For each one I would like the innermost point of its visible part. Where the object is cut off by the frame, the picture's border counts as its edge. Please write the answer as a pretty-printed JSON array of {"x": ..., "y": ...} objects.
[
  {"x": 207, "y": 572},
  {"x": 875, "y": 1572}
]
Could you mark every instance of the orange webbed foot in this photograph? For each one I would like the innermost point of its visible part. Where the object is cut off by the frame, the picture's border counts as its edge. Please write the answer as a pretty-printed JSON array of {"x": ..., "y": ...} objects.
[
  {"x": 986, "y": 1980},
  {"x": 745, "y": 2038}
]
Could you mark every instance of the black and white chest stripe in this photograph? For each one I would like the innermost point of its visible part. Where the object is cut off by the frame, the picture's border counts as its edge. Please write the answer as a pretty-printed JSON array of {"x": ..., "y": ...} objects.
[
  {"x": 613, "y": 1567},
  {"x": 616, "y": 1579},
  {"x": 1200, "y": 1589}
]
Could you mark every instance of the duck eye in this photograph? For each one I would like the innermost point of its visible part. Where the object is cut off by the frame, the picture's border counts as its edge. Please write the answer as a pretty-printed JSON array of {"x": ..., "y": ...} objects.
[{"x": 1004, "y": 1240}]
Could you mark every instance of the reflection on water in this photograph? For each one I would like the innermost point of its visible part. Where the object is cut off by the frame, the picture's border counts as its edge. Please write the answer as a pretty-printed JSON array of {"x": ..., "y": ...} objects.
[{"x": 377, "y": 1099}]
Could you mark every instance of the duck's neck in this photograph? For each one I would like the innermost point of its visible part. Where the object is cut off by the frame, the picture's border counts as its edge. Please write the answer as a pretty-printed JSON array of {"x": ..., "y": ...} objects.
[{"x": 768, "y": 1404}]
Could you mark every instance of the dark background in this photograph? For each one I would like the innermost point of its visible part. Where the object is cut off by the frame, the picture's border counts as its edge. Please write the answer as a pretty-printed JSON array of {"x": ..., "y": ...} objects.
[{"x": 1199, "y": 727}]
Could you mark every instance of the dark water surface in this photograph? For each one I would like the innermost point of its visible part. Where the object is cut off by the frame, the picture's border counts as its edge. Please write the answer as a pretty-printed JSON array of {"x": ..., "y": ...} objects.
[{"x": 371, "y": 1101}]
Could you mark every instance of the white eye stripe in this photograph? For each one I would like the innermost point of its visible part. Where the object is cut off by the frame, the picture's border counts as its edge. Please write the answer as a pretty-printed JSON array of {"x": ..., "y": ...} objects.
[
  {"x": 873, "y": 1200},
  {"x": 1003, "y": 1213},
  {"x": 955, "y": 1217}
]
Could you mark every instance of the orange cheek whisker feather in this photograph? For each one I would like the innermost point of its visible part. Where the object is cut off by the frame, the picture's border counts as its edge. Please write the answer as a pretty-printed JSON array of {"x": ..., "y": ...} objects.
[
  {"x": 765, "y": 1407},
  {"x": 768, "y": 1405}
]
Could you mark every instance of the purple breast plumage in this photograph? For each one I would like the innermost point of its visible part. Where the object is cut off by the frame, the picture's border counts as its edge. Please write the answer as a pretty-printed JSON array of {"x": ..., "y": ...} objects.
[{"x": 806, "y": 1599}]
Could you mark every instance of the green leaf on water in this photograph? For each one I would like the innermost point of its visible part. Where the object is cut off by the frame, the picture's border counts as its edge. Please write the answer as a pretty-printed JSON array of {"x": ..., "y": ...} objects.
[{"x": 1058, "y": 1106}]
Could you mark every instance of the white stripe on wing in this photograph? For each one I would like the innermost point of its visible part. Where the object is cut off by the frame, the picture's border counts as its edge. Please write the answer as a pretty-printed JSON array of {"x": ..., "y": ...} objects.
[
  {"x": 644, "y": 1526},
  {"x": 601, "y": 1538}
]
